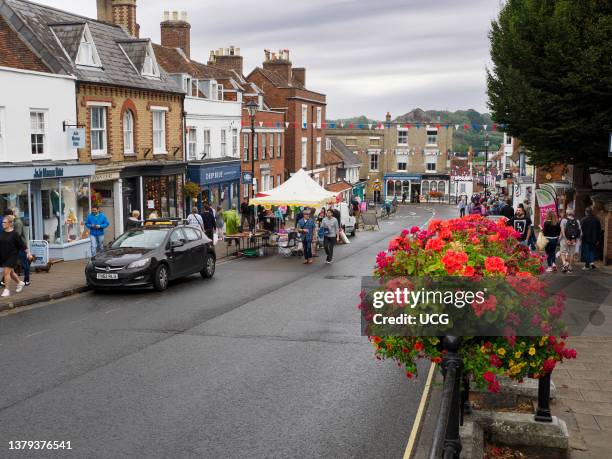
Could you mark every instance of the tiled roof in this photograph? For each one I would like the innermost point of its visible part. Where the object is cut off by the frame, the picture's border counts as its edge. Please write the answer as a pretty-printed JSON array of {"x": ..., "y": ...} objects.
[
  {"x": 15, "y": 53},
  {"x": 338, "y": 187},
  {"x": 34, "y": 23},
  {"x": 136, "y": 50},
  {"x": 349, "y": 158},
  {"x": 70, "y": 36},
  {"x": 331, "y": 158},
  {"x": 278, "y": 81}
]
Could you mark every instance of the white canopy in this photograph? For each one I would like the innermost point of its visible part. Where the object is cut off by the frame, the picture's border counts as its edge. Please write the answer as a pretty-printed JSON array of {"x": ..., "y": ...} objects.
[{"x": 299, "y": 190}]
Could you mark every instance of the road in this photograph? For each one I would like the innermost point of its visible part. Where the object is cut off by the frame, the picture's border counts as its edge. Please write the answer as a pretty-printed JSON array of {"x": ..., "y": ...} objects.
[{"x": 264, "y": 360}]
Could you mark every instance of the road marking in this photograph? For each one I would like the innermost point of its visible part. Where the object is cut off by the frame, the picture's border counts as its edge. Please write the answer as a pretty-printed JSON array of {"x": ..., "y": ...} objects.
[
  {"x": 111, "y": 310},
  {"x": 419, "y": 415},
  {"x": 77, "y": 321},
  {"x": 37, "y": 333}
]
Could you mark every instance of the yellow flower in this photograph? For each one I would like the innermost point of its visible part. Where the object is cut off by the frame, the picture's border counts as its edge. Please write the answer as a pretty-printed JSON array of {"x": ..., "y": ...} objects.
[
  {"x": 511, "y": 363},
  {"x": 543, "y": 340},
  {"x": 532, "y": 351},
  {"x": 533, "y": 364},
  {"x": 434, "y": 341},
  {"x": 483, "y": 349},
  {"x": 523, "y": 344},
  {"x": 501, "y": 351},
  {"x": 517, "y": 354}
]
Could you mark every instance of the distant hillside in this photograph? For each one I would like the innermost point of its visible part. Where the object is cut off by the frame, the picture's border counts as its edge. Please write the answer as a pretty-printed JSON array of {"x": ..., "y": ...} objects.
[{"x": 462, "y": 139}]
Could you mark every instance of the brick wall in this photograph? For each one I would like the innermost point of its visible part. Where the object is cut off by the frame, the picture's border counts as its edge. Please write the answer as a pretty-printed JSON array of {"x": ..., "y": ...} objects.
[
  {"x": 139, "y": 102},
  {"x": 14, "y": 53},
  {"x": 176, "y": 34}
]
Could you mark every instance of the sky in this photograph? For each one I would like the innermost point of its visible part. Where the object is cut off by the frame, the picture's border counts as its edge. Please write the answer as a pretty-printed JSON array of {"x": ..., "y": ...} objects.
[{"x": 369, "y": 57}]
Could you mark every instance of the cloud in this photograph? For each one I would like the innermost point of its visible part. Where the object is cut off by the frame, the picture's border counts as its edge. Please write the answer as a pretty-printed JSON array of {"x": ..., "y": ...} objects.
[{"x": 369, "y": 57}]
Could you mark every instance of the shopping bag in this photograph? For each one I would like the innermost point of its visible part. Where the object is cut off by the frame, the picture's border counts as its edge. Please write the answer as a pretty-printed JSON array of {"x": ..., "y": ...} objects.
[
  {"x": 541, "y": 242},
  {"x": 344, "y": 238}
]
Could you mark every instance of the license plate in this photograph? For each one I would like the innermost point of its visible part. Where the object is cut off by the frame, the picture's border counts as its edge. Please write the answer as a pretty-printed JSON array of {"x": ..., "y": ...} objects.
[{"x": 107, "y": 276}]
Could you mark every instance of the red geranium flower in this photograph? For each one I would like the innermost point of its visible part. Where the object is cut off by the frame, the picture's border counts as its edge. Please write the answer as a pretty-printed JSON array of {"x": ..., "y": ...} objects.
[
  {"x": 435, "y": 244},
  {"x": 495, "y": 265}
]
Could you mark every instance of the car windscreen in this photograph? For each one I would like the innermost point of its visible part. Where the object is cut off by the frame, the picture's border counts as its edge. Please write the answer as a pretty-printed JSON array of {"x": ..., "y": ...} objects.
[{"x": 140, "y": 239}]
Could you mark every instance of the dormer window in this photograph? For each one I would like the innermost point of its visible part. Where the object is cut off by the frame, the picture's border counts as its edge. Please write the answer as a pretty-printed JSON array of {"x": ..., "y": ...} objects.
[
  {"x": 140, "y": 54},
  {"x": 87, "y": 55},
  {"x": 149, "y": 67},
  {"x": 219, "y": 92}
]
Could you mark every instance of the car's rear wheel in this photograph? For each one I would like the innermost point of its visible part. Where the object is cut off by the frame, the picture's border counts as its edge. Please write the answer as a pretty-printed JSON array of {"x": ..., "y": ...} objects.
[
  {"x": 209, "y": 267},
  {"x": 161, "y": 279}
]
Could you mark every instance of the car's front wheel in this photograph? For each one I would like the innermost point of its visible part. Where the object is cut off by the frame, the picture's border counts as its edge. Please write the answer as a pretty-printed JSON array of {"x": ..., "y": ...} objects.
[
  {"x": 161, "y": 279},
  {"x": 209, "y": 267}
]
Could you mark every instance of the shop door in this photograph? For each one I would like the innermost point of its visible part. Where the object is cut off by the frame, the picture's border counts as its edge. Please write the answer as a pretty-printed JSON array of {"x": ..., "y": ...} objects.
[
  {"x": 131, "y": 200},
  {"x": 415, "y": 191}
]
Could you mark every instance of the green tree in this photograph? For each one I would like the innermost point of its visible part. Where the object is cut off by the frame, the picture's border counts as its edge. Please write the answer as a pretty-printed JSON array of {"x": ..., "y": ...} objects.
[{"x": 551, "y": 81}]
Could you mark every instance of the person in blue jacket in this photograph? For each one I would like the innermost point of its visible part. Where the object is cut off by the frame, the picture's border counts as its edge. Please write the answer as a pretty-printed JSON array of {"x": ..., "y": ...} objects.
[{"x": 96, "y": 222}]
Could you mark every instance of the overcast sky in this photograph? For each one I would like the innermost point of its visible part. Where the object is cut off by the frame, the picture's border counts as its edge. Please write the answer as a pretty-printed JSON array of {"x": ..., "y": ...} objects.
[{"x": 368, "y": 56}]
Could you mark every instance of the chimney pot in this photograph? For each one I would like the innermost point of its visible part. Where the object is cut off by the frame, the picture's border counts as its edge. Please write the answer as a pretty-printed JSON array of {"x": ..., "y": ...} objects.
[
  {"x": 184, "y": 16},
  {"x": 237, "y": 51},
  {"x": 175, "y": 33},
  {"x": 166, "y": 15},
  {"x": 175, "y": 15}
]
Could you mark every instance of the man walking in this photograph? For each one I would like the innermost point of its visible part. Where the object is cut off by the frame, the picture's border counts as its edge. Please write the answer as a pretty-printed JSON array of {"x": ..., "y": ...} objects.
[
  {"x": 570, "y": 239},
  {"x": 331, "y": 231},
  {"x": 522, "y": 224},
  {"x": 96, "y": 222},
  {"x": 19, "y": 228},
  {"x": 591, "y": 232},
  {"x": 208, "y": 220},
  {"x": 507, "y": 210},
  {"x": 306, "y": 227}
]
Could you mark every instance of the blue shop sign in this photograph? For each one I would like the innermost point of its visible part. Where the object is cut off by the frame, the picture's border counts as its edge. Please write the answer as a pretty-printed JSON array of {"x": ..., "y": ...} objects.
[
  {"x": 207, "y": 175},
  {"x": 403, "y": 177}
]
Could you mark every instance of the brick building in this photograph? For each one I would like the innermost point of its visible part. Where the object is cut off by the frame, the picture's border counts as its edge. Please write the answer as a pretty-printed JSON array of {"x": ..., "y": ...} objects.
[{"x": 285, "y": 90}]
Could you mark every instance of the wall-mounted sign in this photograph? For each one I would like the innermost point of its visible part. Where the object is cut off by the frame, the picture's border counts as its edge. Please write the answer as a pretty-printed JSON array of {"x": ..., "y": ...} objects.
[
  {"x": 76, "y": 137},
  {"x": 40, "y": 250},
  {"x": 105, "y": 177},
  {"x": 247, "y": 178},
  {"x": 48, "y": 172}
]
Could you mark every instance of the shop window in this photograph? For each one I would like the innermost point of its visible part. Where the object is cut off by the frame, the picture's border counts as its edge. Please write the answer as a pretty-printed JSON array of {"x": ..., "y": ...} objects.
[
  {"x": 425, "y": 187},
  {"x": 442, "y": 187},
  {"x": 15, "y": 196},
  {"x": 206, "y": 144},
  {"x": 223, "y": 143},
  {"x": 38, "y": 135},
  {"x": 235, "y": 143},
  {"x": 128, "y": 133},
  {"x": 163, "y": 196},
  {"x": 75, "y": 208},
  {"x": 193, "y": 143},
  {"x": 159, "y": 132},
  {"x": 98, "y": 130}
]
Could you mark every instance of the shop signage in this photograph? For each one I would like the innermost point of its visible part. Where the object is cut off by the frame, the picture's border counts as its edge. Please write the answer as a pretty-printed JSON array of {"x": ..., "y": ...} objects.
[
  {"x": 76, "y": 137},
  {"x": 40, "y": 250},
  {"x": 209, "y": 174},
  {"x": 436, "y": 176},
  {"x": 105, "y": 177},
  {"x": 48, "y": 172},
  {"x": 403, "y": 177},
  {"x": 264, "y": 166},
  {"x": 247, "y": 178}
]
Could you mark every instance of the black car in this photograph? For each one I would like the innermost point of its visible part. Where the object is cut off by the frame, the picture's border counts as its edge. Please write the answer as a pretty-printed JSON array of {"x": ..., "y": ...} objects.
[{"x": 152, "y": 255}]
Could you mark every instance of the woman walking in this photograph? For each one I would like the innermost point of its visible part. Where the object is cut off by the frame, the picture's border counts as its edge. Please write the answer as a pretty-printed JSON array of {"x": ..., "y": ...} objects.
[
  {"x": 551, "y": 231},
  {"x": 220, "y": 222},
  {"x": 11, "y": 244}
]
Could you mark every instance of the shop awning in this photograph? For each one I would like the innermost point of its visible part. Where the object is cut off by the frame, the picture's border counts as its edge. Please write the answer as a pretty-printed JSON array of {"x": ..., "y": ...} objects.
[{"x": 299, "y": 190}]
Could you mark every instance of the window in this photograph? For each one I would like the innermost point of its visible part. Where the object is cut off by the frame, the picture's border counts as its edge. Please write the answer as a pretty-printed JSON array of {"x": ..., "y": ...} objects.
[
  {"x": 128, "y": 133},
  {"x": 37, "y": 132},
  {"x": 206, "y": 143},
  {"x": 278, "y": 180},
  {"x": 223, "y": 142},
  {"x": 328, "y": 144},
  {"x": 442, "y": 187},
  {"x": 432, "y": 136},
  {"x": 159, "y": 132},
  {"x": 98, "y": 130},
  {"x": 245, "y": 191},
  {"x": 375, "y": 141},
  {"x": 333, "y": 175},
  {"x": 304, "y": 116},
  {"x": 430, "y": 165},
  {"x": 187, "y": 85},
  {"x": 402, "y": 137},
  {"x": 319, "y": 115},
  {"x": 304, "y": 149},
  {"x": 318, "y": 150},
  {"x": 264, "y": 145},
  {"x": 374, "y": 161},
  {"x": 351, "y": 141},
  {"x": 256, "y": 146},
  {"x": 508, "y": 140},
  {"x": 245, "y": 147},
  {"x": 149, "y": 67},
  {"x": 401, "y": 165},
  {"x": 271, "y": 145},
  {"x": 87, "y": 54},
  {"x": 279, "y": 143},
  {"x": 192, "y": 143},
  {"x": 235, "y": 143},
  {"x": 219, "y": 92}
]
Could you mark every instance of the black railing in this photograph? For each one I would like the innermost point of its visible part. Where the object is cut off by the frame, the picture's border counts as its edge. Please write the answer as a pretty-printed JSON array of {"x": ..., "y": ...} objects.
[{"x": 446, "y": 441}]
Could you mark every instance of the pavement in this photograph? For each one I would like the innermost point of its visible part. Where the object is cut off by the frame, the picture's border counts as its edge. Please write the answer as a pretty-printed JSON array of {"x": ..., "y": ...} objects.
[{"x": 264, "y": 360}]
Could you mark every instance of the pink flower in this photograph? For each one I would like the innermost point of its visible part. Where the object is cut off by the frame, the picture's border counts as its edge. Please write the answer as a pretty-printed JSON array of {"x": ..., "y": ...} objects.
[
  {"x": 549, "y": 365},
  {"x": 415, "y": 229},
  {"x": 489, "y": 376},
  {"x": 494, "y": 387}
]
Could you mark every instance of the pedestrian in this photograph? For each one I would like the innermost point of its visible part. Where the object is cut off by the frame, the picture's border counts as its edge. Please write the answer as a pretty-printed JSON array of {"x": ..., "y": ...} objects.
[
  {"x": 153, "y": 215},
  {"x": 321, "y": 216},
  {"x": 11, "y": 244},
  {"x": 527, "y": 207},
  {"x": 551, "y": 231},
  {"x": 133, "y": 221},
  {"x": 521, "y": 224},
  {"x": 462, "y": 206},
  {"x": 306, "y": 229},
  {"x": 404, "y": 196},
  {"x": 220, "y": 223},
  {"x": 194, "y": 219},
  {"x": 570, "y": 239},
  {"x": 244, "y": 214},
  {"x": 208, "y": 221},
  {"x": 591, "y": 232},
  {"x": 19, "y": 228},
  {"x": 299, "y": 216},
  {"x": 507, "y": 210},
  {"x": 331, "y": 233},
  {"x": 96, "y": 222},
  {"x": 230, "y": 219}
]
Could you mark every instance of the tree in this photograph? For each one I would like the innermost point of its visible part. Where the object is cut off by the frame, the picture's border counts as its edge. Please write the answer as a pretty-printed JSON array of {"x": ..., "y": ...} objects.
[{"x": 551, "y": 81}]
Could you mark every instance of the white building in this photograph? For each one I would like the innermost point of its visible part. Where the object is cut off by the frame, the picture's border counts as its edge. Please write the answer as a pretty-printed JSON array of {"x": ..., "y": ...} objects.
[{"x": 40, "y": 178}]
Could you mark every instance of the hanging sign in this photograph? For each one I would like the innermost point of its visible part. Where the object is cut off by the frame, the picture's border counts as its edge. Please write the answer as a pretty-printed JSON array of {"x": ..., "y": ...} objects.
[
  {"x": 247, "y": 178},
  {"x": 76, "y": 137}
]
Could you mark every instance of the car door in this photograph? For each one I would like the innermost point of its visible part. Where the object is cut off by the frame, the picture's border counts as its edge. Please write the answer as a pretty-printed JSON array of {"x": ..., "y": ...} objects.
[
  {"x": 196, "y": 250},
  {"x": 177, "y": 253}
]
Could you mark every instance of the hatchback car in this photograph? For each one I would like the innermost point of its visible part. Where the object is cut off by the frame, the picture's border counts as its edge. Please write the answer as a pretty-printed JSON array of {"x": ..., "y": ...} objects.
[{"x": 152, "y": 255}]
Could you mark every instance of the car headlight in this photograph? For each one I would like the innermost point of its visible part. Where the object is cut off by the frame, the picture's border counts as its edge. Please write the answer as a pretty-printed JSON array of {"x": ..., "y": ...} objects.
[{"x": 140, "y": 263}]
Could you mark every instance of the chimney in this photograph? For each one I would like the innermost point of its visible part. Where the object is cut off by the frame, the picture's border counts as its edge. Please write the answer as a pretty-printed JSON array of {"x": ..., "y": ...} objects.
[
  {"x": 176, "y": 31},
  {"x": 299, "y": 75},
  {"x": 388, "y": 118},
  {"x": 227, "y": 58},
  {"x": 105, "y": 10},
  {"x": 119, "y": 12},
  {"x": 280, "y": 64}
]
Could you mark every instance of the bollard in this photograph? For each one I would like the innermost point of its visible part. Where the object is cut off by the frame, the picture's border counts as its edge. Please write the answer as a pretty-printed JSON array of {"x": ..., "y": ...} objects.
[{"x": 543, "y": 411}]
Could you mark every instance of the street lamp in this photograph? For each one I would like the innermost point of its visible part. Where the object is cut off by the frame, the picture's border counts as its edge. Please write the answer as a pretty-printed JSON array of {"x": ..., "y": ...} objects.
[
  {"x": 252, "y": 107},
  {"x": 486, "y": 145}
]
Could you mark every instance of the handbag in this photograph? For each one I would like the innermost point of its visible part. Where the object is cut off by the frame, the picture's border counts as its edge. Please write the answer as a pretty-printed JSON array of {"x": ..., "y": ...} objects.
[{"x": 541, "y": 242}]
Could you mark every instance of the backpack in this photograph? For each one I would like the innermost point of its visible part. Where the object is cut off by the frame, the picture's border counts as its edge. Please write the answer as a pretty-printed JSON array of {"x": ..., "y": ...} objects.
[{"x": 572, "y": 229}]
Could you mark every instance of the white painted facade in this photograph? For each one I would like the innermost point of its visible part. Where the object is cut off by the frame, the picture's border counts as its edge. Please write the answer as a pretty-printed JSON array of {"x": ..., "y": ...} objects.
[{"x": 53, "y": 97}]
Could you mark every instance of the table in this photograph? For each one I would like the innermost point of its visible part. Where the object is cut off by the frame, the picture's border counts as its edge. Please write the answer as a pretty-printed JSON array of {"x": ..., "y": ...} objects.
[{"x": 247, "y": 240}]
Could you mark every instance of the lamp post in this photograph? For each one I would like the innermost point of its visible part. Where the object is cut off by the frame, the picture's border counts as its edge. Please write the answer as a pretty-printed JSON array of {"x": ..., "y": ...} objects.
[
  {"x": 486, "y": 145},
  {"x": 252, "y": 107}
]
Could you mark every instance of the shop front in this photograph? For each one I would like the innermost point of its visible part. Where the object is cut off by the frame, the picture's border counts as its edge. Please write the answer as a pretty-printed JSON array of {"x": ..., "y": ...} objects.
[
  {"x": 398, "y": 185},
  {"x": 435, "y": 187},
  {"x": 359, "y": 189},
  {"x": 219, "y": 181},
  {"x": 52, "y": 201}
]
